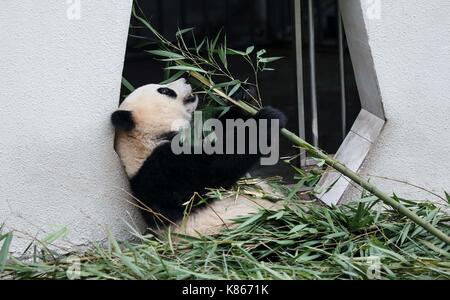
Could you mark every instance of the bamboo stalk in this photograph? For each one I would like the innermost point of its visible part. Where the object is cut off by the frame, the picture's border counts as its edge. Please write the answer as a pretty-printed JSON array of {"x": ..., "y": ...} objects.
[{"x": 338, "y": 166}]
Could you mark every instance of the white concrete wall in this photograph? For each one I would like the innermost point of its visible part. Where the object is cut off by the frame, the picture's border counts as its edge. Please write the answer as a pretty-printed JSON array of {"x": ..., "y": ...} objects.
[
  {"x": 410, "y": 43},
  {"x": 59, "y": 82}
]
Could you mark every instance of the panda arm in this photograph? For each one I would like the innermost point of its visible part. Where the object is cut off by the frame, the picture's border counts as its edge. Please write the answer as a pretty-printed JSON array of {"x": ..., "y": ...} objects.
[
  {"x": 215, "y": 170},
  {"x": 194, "y": 172},
  {"x": 231, "y": 167}
]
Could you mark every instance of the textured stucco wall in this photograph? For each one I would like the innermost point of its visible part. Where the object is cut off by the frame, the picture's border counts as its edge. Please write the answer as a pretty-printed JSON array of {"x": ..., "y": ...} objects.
[
  {"x": 410, "y": 42},
  {"x": 59, "y": 82}
]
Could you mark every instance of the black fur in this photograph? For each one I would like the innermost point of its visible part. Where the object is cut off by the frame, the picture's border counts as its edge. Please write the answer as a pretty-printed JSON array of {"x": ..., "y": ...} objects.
[
  {"x": 167, "y": 136},
  {"x": 246, "y": 93},
  {"x": 166, "y": 181},
  {"x": 168, "y": 92},
  {"x": 123, "y": 120},
  {"x": 190, "y": 99}
]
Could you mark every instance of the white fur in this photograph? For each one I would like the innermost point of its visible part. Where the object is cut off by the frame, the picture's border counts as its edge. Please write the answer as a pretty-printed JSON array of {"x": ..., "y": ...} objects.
[
  {"x": 154, "y": 115},
  {"x": 221, "y": 213}
]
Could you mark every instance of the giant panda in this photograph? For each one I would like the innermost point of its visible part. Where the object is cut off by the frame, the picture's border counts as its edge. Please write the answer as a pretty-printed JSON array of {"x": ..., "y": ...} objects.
[{"x": 162, "y": 181}]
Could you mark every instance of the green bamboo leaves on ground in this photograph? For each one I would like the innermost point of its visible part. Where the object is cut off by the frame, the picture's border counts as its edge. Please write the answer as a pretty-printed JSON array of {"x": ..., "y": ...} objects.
[
  {"x": 302, "y": 241},
  {"x": 6, "y": 239}
]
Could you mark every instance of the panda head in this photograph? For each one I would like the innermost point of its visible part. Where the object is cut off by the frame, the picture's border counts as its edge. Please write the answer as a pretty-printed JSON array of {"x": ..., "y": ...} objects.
[{"x": 146, "y": 117}]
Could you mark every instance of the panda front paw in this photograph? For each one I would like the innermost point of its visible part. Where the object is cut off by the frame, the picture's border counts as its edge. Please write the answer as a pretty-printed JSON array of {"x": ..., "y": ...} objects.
[{"x": 271, "y": 113}]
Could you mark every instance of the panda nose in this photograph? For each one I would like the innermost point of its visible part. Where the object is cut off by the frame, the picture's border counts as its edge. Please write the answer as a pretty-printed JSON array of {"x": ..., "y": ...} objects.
[{"x": 190, "y": 99}]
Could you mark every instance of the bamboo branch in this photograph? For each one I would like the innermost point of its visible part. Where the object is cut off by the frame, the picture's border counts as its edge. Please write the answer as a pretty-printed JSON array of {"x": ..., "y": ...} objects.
[{"x": 338, "y": 166}]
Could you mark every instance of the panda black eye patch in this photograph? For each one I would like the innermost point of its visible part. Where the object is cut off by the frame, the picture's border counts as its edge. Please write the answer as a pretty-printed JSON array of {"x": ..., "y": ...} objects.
[{"x": 168, "y": 92}]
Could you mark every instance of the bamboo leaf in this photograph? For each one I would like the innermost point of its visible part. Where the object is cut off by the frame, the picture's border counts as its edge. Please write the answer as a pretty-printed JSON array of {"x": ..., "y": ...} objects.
[
  {"x": 330, "y": 220},
  {"x": 276, "y": 216},
  {"x": 249, "y": 50},
  {"x": 404, "y": 234},
  {"x": 235, "y": 52},
  {"x": 224, "y": 111},
  {"x": 183, "y": 31},
  {"x": 336, "y": 235},
  {"x": 295, "y": 190},
  {"x": 216, "y": 39},
  {"x": 186, "y": 68},
  {"x": 269, "y": 59},
  {"x": 174, "y": 77},
  {"x": 251, "y": 220},
  {"x": 234, "y": 89},
  {"x": 168, "y": 54},
  {"x": 223, "y": 57},
  {"x": 298, "y": 228},
  {"x": 128, "y": 85},
  {"x": 51, "y": 238},
  {"x": 217, "y": 99},
  {"x": 113, "y": 243},
  {"x": 200, "y": 46},
  {"x": 226, "y": 84},
  {"x": 261, "y": 53},
  {"x": 4, "y": 251},
  {"x": 435, "y": 248}
]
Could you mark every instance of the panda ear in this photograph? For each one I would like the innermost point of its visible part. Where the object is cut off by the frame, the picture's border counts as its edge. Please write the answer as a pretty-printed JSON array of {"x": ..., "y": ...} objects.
[{"x": 123, "y": 120}]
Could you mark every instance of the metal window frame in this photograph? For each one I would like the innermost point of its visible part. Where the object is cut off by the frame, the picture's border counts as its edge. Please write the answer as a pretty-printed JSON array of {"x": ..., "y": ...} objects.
[
  {"x": 370, "y": 121},
  {"x": 300, "y": 78}
]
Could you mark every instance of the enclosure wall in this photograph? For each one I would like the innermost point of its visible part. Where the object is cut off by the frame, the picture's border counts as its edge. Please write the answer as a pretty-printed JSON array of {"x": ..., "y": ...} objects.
[
  {"x": 409, "y": 41},
  {"x": 60, "y": 75}
]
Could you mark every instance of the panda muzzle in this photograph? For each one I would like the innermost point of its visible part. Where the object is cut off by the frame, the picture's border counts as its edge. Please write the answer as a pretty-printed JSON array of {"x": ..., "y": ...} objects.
[{"x": 190, "y": 99}]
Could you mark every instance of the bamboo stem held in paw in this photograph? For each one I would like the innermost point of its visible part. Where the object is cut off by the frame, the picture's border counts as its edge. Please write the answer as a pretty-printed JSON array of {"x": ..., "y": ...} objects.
[{"x": 314, "y": 152}]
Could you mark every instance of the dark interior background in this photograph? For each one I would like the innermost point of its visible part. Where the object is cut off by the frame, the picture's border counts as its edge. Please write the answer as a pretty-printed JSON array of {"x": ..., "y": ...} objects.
[{"x": 265, "y": 24}]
